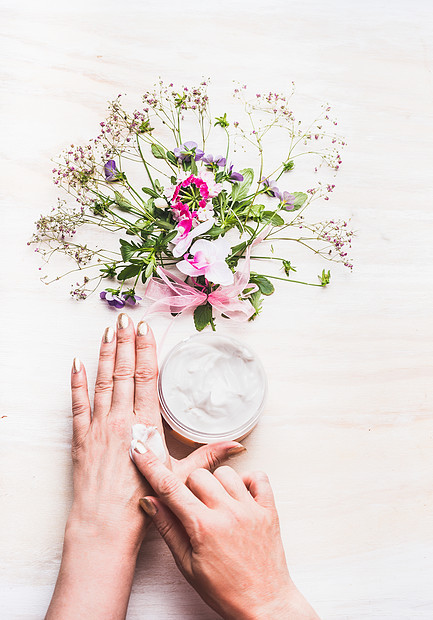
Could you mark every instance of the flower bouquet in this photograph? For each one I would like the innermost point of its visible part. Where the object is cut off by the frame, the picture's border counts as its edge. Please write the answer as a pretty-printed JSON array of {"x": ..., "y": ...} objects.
[{"x": 185, "y": 221}]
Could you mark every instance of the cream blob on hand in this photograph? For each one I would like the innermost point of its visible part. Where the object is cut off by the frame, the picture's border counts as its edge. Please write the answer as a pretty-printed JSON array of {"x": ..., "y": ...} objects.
[
  {"x": 211, "y": 388},
  {"x": 147, "y": 438}
]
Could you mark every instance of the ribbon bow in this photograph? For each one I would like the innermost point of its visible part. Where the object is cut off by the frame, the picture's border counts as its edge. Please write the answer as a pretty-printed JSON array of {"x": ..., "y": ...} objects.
[{"x": 171, "y": 294}]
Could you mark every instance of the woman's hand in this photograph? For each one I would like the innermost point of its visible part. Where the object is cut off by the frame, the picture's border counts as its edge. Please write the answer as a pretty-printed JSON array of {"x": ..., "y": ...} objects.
[
  {"x": 105, "y": 527},
  {"x": 223, "y": 532}
]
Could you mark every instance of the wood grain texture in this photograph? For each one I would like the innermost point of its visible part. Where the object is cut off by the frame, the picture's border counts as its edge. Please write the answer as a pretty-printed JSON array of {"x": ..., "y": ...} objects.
[{"x": 347, "y": 432}]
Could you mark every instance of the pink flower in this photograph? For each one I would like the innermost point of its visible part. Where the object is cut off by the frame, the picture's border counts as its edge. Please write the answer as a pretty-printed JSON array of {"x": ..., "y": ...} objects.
[
  {"x": 188, "y": 229},
  {"x": 208, "y": 259},
  {"x": 190, "y": 194}
]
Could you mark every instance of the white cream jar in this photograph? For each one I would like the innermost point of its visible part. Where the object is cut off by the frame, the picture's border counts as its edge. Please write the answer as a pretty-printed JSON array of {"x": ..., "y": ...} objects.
[{"x": 211, "y": 388}]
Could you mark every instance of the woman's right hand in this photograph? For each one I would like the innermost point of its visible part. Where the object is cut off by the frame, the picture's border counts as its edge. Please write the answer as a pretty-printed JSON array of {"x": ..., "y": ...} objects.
[{"x": 223, "y": 532}]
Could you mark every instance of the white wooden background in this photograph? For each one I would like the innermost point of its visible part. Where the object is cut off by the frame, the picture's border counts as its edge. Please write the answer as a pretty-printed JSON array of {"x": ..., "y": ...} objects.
[{"x": 347, "y": 432}]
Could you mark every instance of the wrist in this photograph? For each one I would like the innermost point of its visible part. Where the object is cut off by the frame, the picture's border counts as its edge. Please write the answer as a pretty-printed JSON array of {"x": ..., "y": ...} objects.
[
  {"x": 120, "y": 537},
  {"x": 291, "y": 605}
]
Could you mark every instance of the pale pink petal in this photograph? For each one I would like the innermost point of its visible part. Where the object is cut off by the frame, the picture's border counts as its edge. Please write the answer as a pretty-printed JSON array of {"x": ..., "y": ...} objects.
[
  {"x": 220, "y": 273},
  {"x": 185, "y": 267}
]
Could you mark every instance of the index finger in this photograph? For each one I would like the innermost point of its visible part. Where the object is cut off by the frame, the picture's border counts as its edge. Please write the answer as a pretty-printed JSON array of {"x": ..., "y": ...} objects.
[{"x": 181, "y": 501}]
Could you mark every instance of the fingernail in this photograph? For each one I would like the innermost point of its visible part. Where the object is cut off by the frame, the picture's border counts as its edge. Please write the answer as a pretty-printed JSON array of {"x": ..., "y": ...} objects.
[
  {"x": 236, "y": 450},
  {"x": 142, "y": 328},
  {"x": 148, "y": 506},
  {"x": 109, "y": 334},
  {"x": 123, "y": 320},
  {"x": 76, "y": 365},
  {"x": 140, "y": 447}
]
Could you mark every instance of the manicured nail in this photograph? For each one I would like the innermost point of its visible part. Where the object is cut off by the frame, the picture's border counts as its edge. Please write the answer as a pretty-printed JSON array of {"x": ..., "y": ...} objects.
[
  {"x": 140, "y": 447},
  {"x": 109, "y": 334},
  {"x": 148, "y": 506},
  {"x": 142, "y": 328},
  {"x": 236, "y": 450},
  {"x": 76, "y": 365},
  {"x": 123, "y": 320}
]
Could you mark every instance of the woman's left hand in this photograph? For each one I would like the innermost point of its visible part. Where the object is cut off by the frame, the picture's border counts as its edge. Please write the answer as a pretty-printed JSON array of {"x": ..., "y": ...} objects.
[
  {"x": 107, "y": 486},
  {"x": 106, "y": 524}
]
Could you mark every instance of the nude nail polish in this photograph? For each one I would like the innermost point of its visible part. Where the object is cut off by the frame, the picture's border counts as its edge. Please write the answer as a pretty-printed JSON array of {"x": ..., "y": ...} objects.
[
  {"x": 236, "y": 450},
  {"x": 123, "y": 320},
  {"x": 148, "y": 506},
  {"x": 76, "y": 365},
  {"x": 109, "y": 335},
  {"x": 142, "y": 328}
]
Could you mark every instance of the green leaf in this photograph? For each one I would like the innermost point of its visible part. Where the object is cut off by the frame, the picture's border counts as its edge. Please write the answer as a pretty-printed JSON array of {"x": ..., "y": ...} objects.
[
  {"x": 150, "y": 192},
  {"x": 300, "y": 198},
  {"x": 265, "y": 286},
  {"x": 256, "y": 302},
  {"x": 202, "y": 316},
  {"x": 215, "y": 231},
  {"x": 239, "y": 248},
  {"x": 127, "y": 249},
  {"x": 272, "y": 218},
  {"x": 129, "y": 272},
  {"x": 164, "y": 225},
  {"x": 240, "y": 190},
  {"x": 171, "y": 158},
  {"x": 158, "y": 151},
  {"x": 122, "y": 202},
  {"x": 168, "y": 237}
]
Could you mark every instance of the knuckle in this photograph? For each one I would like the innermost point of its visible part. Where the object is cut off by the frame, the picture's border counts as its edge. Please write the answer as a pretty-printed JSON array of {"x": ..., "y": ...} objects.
[
  {"x": 124, "y": 336},
  {"x": 103, "y": 384},
  {"x": 168, "y": 486},
  {"x": 106, "y": 354},
  {"x": 123, "y": 370},
  {"x": 164, "y": 528},
  {"x": 214, "y": 459},
  {"x": 145, "y": 345},
  {"x": 79, "y": 408},
  {"x": 146, "y": 374}
]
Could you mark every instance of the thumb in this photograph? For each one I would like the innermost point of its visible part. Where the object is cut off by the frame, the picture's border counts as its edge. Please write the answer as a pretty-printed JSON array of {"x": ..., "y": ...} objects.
[
  {"x": 170, "y": 528},
  {"x": 209, "y": 457}
]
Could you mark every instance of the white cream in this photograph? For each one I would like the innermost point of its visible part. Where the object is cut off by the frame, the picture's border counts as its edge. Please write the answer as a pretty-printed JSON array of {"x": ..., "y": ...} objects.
[
  {"x": 212, "y": 385},
  {"x": 147, "y": 438}
]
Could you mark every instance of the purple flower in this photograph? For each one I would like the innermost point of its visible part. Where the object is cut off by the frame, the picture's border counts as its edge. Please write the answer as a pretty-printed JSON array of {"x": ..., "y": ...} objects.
[
  {"x": 234, "y": 176},
  {"x": 213, "y": 162},
  {"x": 287, "y": 201},
  {"x": 271, "y": 188},
  {"x": 110, "y": 171},
  {"x": 118, "y": 300},
  {"x": 185, "y": 151}
]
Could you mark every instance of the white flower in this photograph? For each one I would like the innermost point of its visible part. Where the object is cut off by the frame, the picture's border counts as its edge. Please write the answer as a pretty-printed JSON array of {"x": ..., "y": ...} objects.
[{"x": 209, "y": 260}]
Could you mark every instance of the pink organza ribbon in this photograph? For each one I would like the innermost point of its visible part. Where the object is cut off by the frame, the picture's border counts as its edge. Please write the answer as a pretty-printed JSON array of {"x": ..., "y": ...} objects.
[{"x": 171, "y": 294}]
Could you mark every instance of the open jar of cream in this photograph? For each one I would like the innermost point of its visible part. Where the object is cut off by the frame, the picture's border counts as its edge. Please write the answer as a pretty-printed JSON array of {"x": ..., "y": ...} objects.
[{"x": 211, "y": 388}]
